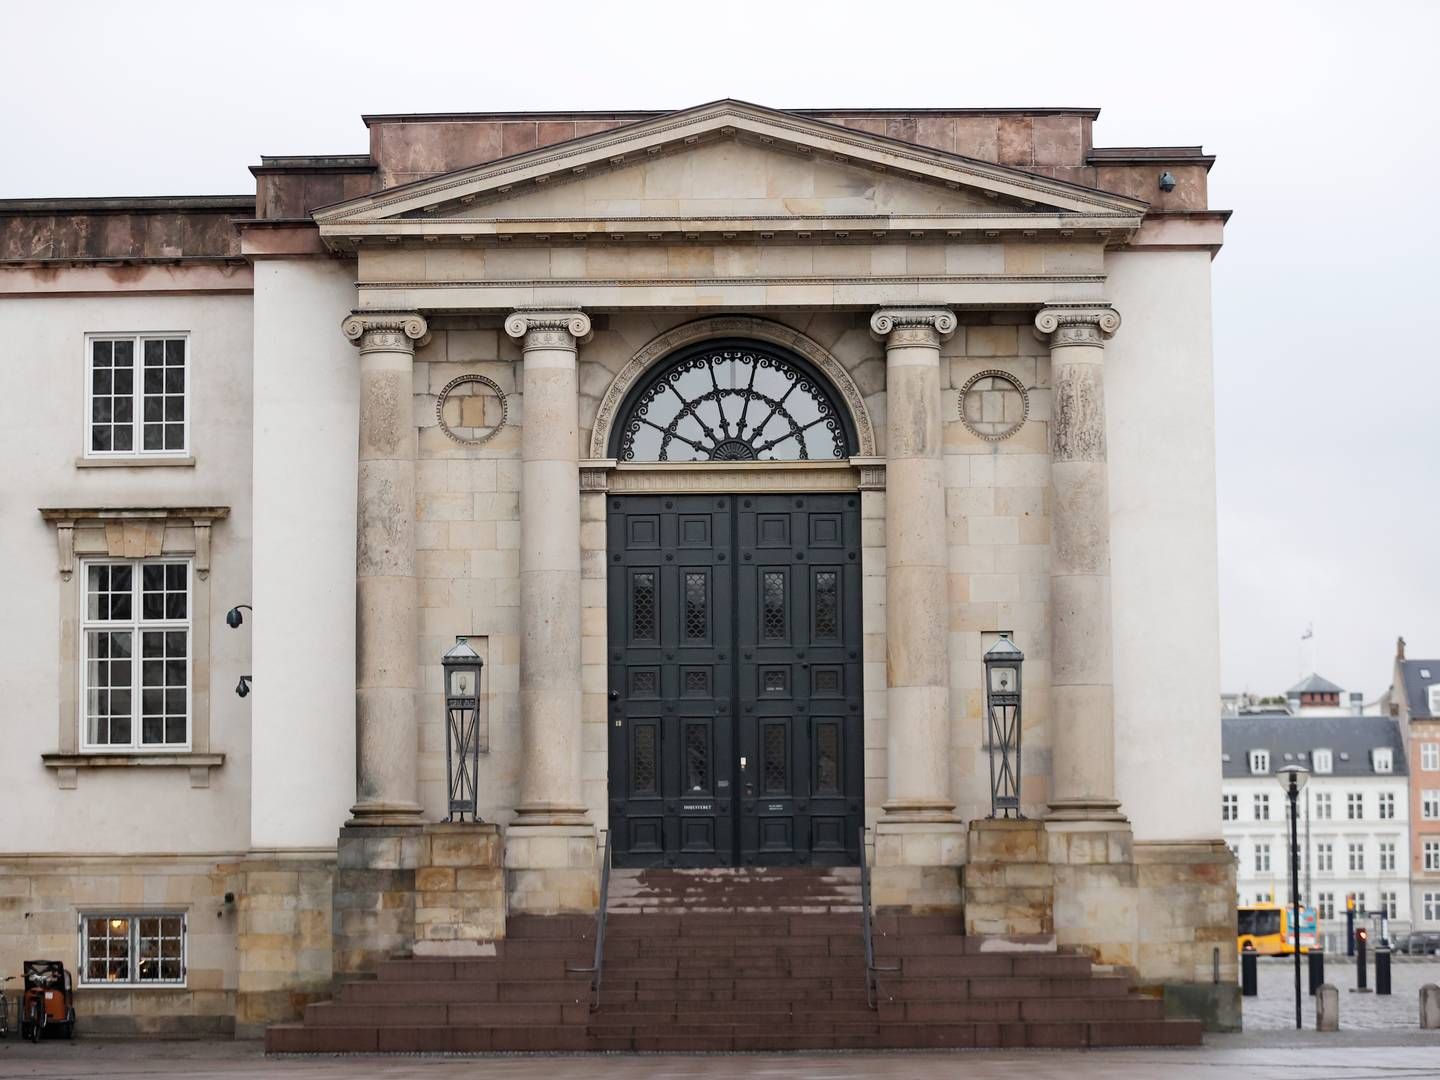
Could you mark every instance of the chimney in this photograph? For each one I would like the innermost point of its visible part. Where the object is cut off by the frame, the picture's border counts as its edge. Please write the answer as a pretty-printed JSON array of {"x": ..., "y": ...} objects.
[
  {"x": 1357, "y": 702},
  {"x": 1399, "y": 648}
]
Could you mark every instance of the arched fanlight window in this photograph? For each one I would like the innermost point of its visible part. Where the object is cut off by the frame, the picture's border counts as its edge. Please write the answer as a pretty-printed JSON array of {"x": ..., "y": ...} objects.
[{"x": 733, "y": 401}]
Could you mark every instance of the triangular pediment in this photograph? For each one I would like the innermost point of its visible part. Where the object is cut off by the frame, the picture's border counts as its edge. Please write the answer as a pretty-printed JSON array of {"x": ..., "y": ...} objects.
[{"x": 740, "y": 165}]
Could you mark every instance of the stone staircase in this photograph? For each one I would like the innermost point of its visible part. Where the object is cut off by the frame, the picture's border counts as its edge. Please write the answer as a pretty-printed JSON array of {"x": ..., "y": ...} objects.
[{"x": 735, "y": 960}]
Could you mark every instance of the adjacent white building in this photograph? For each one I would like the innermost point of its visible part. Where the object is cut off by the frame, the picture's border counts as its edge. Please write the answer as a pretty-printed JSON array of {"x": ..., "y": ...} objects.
[{"x": 1354, "y": 827}]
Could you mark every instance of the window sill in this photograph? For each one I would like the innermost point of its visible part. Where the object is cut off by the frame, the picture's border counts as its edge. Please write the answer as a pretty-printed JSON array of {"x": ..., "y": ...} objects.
[
  {"x": 67, "y": 766},
  {"x": 137, "y": 461}
]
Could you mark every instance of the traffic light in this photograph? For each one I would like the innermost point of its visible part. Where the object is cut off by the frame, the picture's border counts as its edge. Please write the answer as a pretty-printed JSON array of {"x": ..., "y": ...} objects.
[
  {"x": 1350, "y": 901},
  {"x": 1362, "y": 935}
]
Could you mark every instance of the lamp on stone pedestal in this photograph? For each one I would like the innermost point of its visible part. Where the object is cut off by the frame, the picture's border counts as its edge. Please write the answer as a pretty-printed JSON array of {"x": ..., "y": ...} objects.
[
  {"x": 461, "y": 666},
  {"x": 1002, "y": 707}
]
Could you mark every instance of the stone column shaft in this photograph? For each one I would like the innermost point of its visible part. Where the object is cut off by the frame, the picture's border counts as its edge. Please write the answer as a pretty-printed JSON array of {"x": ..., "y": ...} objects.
[
  {"x": 1082, "y": 696},
  {"x": 387, "y": 630},
  {"x": 550, "y": 688},
  {"x": 917, "y": 591}
]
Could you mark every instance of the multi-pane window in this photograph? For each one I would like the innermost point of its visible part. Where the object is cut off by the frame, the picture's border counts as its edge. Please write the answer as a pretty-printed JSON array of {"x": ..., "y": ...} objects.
[
  {"x": 1387, "y": 855},
  {"x": 1357, "y": 856},
  {"x": 1431, "y": 906},
  {"x": 1262, "y": 858},
  {"x": 1382, "y": 759},
  {"x": 1262, "y": 807},
  {"x": 1430, "y": 756},
  {"x": 1229, "y": 807},
  {"x": 136, "y": 660},
  {"x": 1323, "y": 806},
  {"x": 137, "y": 387},
  {"x": 1259, "y": 761},
  {"x": 1387, "y": 804},
  {"x": 1322, "y": 761},
  {"x": 1355, "y": 806},
  {"x": 1325, "y": 857},
  {"x": 1432, "y": 854},
  {"x": 1430, "y": 804},
  {"x": 1389, "y": 904},
  {"x": 129, "y": 947},
  {"x": 1325, "y": 905}
]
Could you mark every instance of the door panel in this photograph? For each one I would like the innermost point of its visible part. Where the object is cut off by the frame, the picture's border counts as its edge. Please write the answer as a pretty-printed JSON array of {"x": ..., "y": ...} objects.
[{"x": 734, "y": 654}]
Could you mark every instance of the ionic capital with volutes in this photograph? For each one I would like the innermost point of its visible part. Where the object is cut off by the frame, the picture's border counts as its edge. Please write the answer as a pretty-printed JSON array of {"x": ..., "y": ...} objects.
[
  {"x": 1065, "y": 324},
  {"x": 386, "y": 331},
  {"x": 898, "y": 327},
  {"x": 549, "y": 329}
]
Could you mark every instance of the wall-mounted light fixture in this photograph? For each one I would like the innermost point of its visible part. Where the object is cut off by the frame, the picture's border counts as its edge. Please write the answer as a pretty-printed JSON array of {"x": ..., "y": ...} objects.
[
  {"x": 233, "y": 618},
  {"x": 1167, "y": 181}
]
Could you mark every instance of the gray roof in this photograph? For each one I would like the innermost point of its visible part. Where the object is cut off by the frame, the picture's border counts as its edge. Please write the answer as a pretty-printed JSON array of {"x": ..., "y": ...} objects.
[
  {"x": 1417, "y": 686},
  {"x": 1354, "y": 736},
  {"x": 1314, "y": 684}
]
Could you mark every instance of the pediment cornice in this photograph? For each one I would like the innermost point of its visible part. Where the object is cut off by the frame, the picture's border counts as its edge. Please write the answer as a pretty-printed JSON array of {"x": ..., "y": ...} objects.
[{"x": 453, "y": 205}]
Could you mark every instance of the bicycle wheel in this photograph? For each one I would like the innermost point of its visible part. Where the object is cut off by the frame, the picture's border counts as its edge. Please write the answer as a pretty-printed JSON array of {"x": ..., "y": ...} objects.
[{"x": 37, "y": 1022}]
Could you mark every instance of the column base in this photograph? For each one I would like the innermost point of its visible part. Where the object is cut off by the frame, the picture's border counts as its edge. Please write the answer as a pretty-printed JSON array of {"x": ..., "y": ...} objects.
[
  {"x": 551, "y": 868},
  {"x": 541, "y": 813},
  {"x": 386, "y": 813},
  {"x": 910, "y": 811},
  {"x": 1098, "y": 810},
  {"x": 916, "y": 865}
]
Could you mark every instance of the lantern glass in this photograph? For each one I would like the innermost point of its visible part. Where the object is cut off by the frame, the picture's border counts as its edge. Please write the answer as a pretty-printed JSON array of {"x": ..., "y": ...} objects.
[
  {"x": 1003, "y": 679},
  {"x": 462, "y": 683}
]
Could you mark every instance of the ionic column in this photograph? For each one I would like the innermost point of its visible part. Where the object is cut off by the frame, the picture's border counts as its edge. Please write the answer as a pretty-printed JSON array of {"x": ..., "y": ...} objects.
[
  {"x": 550, "y": 691},
  {"x": 1082, "y": 695},
  {"x": 386, "y": 628},
  {"x": 917, "y": 600}
]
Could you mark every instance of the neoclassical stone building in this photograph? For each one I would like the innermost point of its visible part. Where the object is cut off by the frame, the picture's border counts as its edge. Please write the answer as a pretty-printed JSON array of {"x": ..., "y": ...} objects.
[{"x": 729, "y": 438}]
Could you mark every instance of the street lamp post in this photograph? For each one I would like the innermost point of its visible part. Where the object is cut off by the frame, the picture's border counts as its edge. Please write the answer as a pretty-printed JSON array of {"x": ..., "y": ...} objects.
[
  {"x": 1002, "y": 708},
  {"x": 1292, "y": 778}
]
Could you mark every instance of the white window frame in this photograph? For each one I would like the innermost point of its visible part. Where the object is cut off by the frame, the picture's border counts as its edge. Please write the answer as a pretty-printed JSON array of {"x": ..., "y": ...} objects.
[
  {"x": 1259, "y": 762},
  {"x": 1431, "y": 853},
  {"x": 1325, "y": 857},
  {"x": 137, "y": 626},
  {"x": 1322, "y": 761},
  {"x": 1430, "y": 757},
  {"x": 1325, "y": 903},
  {"x": 1354, "y": 806},
  {"x": 1387, "y": 855},
  {"x": 133, "y": 933},
  {"x": 1324, "y": 806},
  {"x": 1431, "y": 905},
  {"x": 137, "y": 442},
  {"x": 1229, "y": 806},
  {"x": 1382, "y": 759},
  {"x": 1430, "y": 804},
  {"x": 1434, "y": 694},
  {"x": 1389, "y": 904},
  {"x": 1386, "y": 805},
  {"x": 1262, "y": 858},
  {"x": 1260, "y": 804},
  {"x": 1356, "y": 856}
]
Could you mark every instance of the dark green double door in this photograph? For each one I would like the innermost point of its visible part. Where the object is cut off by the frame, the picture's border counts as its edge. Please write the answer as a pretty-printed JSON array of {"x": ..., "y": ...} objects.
[{"x": 734, "y": 714}]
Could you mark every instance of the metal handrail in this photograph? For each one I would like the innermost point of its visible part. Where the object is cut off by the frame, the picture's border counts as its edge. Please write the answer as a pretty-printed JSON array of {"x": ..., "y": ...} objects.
[
  {"x": 596, "y": 969},
  {"x": 866, "y": 933}
]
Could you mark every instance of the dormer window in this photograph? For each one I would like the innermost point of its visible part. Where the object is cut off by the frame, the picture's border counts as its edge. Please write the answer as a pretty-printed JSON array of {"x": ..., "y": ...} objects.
[
  {"x": 1322, "y": 761},
  {"x": 1435, "y": 699},
  {"x": 1381, "y": 760},
  {"x": 1259, "y": 762}
]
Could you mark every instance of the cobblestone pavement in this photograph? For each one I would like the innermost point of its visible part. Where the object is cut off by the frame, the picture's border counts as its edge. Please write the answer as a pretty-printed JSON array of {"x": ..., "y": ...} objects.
[
  {"x": 1274, "y": 1007},
  {"x": 1267, "y": 1056}
]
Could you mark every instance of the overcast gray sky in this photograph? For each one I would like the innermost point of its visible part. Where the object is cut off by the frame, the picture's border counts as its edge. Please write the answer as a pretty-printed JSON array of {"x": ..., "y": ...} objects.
[{"x": 1324, "y": 117}]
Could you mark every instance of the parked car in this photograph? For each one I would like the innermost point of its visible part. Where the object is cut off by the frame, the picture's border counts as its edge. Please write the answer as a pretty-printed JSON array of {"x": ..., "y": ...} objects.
[{"x": 1421, "y": 943}]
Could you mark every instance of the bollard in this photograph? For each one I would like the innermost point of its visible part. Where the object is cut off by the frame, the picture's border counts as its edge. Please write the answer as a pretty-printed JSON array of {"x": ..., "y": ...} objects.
[
  {"x": 1430, "y": 1007},
  {"x": 1317, "y": 969},
  {"x": 1382, "y": 970},
  {"x": 1249, "y": 974},
  {"x": 1327, "y": 1008}
]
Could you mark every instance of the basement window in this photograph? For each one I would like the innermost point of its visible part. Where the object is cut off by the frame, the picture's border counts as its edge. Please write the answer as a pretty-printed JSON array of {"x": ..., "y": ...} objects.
[{"x": 132, "y": 948}]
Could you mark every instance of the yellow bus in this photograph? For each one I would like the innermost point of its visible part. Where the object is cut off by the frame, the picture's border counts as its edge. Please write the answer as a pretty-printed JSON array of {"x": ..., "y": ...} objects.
[{"x": 1265, "y": 929}]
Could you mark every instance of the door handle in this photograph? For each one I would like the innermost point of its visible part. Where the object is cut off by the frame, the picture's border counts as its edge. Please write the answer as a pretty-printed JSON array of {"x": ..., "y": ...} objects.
[
  {"x": 743, "y": 763},
  {"x": 614, "y": 695}
]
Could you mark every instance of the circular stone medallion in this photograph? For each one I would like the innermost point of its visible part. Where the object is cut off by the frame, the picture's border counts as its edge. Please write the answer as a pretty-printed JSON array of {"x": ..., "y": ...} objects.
[
  {"x": 471, "y": 409},
  {"x": 993, "y": 405}
]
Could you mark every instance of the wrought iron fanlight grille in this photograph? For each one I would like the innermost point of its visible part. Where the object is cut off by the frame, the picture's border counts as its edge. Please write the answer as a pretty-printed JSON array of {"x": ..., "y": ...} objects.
[{"x": 733, "y": 403}]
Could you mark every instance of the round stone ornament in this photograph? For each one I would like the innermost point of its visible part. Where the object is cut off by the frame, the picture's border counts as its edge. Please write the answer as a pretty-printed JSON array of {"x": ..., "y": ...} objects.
[
  {"x": 993, "y": 405},
  {"x": 471, "y": 409}
]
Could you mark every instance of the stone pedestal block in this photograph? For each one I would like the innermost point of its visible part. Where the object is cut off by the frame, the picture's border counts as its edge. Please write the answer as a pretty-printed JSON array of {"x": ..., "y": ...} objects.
[
  {"x": 1096, "y": 894},
  {"x": 399, "y": 886},
  {"x": 1430, "y": 1007},
  {"x": 1327, "y": 1008},
  {"x": 917, "y": 866},
  {"x": 551, "y": 869},
  {"x": 1009, "y": 882}
]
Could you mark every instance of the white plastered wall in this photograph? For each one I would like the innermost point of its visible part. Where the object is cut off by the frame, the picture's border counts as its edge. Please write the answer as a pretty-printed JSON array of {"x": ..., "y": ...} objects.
[
  {"x": 42, "y": 417},
  {"x": 303, "y": 627},
  {"x": 1161, "y": 427}
]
